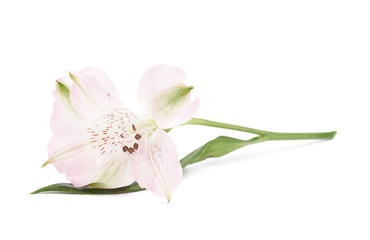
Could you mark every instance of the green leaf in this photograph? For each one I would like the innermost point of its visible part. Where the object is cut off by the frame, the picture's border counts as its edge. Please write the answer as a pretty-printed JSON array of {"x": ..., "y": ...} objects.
[
  {"x": 68, "y": 188},
  {"x": 217, "y": 147}
]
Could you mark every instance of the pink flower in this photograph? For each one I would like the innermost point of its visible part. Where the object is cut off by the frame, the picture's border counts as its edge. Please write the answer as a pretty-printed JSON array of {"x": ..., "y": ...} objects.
[{"x": 99, "y": 143}]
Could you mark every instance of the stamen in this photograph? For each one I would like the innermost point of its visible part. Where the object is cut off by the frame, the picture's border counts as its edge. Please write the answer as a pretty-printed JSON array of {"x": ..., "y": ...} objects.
[
  {"x": 137, "y": 136},
  {"x": 125, "y": 149},
  {"x": 136, "y": 146}
]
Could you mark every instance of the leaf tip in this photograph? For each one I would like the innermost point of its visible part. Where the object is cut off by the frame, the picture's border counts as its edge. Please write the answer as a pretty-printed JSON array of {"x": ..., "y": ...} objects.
[
  {"x": 34, "y": 192},
  {"x": 331, "y": 135}
]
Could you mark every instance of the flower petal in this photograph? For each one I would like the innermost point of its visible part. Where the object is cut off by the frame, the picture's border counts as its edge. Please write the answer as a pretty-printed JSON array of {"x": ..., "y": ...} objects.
[
  {"x": 163, "y": 94},
  {"x": 80, "y": 166},
  {"x": 178, "y": 116},
  {"x": 93, "y": 93},
  {"x": 158, "y": 168},
  {"x": 80, "y": 147},
  {"x": 66, "y": 125},
  {"x": 85, "y": 164},
  {"x": 115, "y": 173}
]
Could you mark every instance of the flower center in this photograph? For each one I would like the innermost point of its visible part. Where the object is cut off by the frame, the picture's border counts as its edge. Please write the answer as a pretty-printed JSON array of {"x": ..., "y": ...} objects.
[{"x": 115, "y": 131}]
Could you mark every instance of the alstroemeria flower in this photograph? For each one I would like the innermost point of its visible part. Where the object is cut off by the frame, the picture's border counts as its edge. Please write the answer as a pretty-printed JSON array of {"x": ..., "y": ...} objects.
[{"x": 99, "y": 143}]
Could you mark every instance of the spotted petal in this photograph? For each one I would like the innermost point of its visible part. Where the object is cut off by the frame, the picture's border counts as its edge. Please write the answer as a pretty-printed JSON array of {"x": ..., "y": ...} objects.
[
  {"x": 158, "y": 168},
  {"x": 163, "y": 94},
  {"x": 93, "y": 155},
  {"x": 89, "y": 150}
]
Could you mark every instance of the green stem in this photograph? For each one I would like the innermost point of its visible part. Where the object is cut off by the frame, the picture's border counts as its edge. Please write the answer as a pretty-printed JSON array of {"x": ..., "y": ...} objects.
[{"x": 266, "y": 134}]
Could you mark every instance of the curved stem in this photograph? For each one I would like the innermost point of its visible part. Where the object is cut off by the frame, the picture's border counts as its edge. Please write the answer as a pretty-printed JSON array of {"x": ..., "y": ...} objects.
[
  {"x": 269, "y": 135},
  {"x": 204, "y": 122}
]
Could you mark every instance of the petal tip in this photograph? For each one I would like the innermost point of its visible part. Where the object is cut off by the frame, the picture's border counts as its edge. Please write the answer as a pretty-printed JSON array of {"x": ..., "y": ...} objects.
[
  {"x": 46, "y": 163},
  {"x": 73, "y": 77},
  {"x": 168, "y": 196}
]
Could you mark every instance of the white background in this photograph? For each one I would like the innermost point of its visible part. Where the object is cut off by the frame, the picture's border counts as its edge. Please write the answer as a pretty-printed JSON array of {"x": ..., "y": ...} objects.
[{"x": 274, "y": 65}]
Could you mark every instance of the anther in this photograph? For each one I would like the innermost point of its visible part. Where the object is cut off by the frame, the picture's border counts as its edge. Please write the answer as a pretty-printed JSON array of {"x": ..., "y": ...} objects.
[
  {"x": 125, "y": 149},
  {"x": 133, "y": 127},
  {"x": 136, "y": 146},
  {"x": 137, "y": 136},
  {"x": 131, "y": 150}
]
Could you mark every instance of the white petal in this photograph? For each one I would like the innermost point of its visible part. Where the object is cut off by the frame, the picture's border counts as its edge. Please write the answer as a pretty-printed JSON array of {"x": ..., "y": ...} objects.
[
  {"x": 158, "y": 169},
  {"x": 92, "y": 153},
  {"x": 93, "y": 93},
  {"x": 115, "y": 173},
  {"x": 163, "y": 94}
]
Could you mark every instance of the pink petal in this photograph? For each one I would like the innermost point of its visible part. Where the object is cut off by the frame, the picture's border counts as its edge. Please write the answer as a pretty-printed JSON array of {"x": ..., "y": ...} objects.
[
  {"x": 187, "y": 112},
  {"x": 80, "y": 166},
  {"x": 66, "y": 126},
  {"x": 69, "y": 130},
  {"x": 155, "y": 84},
  {"x": 86, "y": 161},
  {"x": 115, "y": 173},
  {"x": 156, "y": 79},
  {"x": 80, "y": 147},
  {"x": 85, "y": 164},
  {"x": 94, "y": 93},
  {"x": 159, "y": 169},
  {"x": 61, "y": 118},
  {"x": 184, "y": 114},
  {"x": 73, "y": 152}
]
